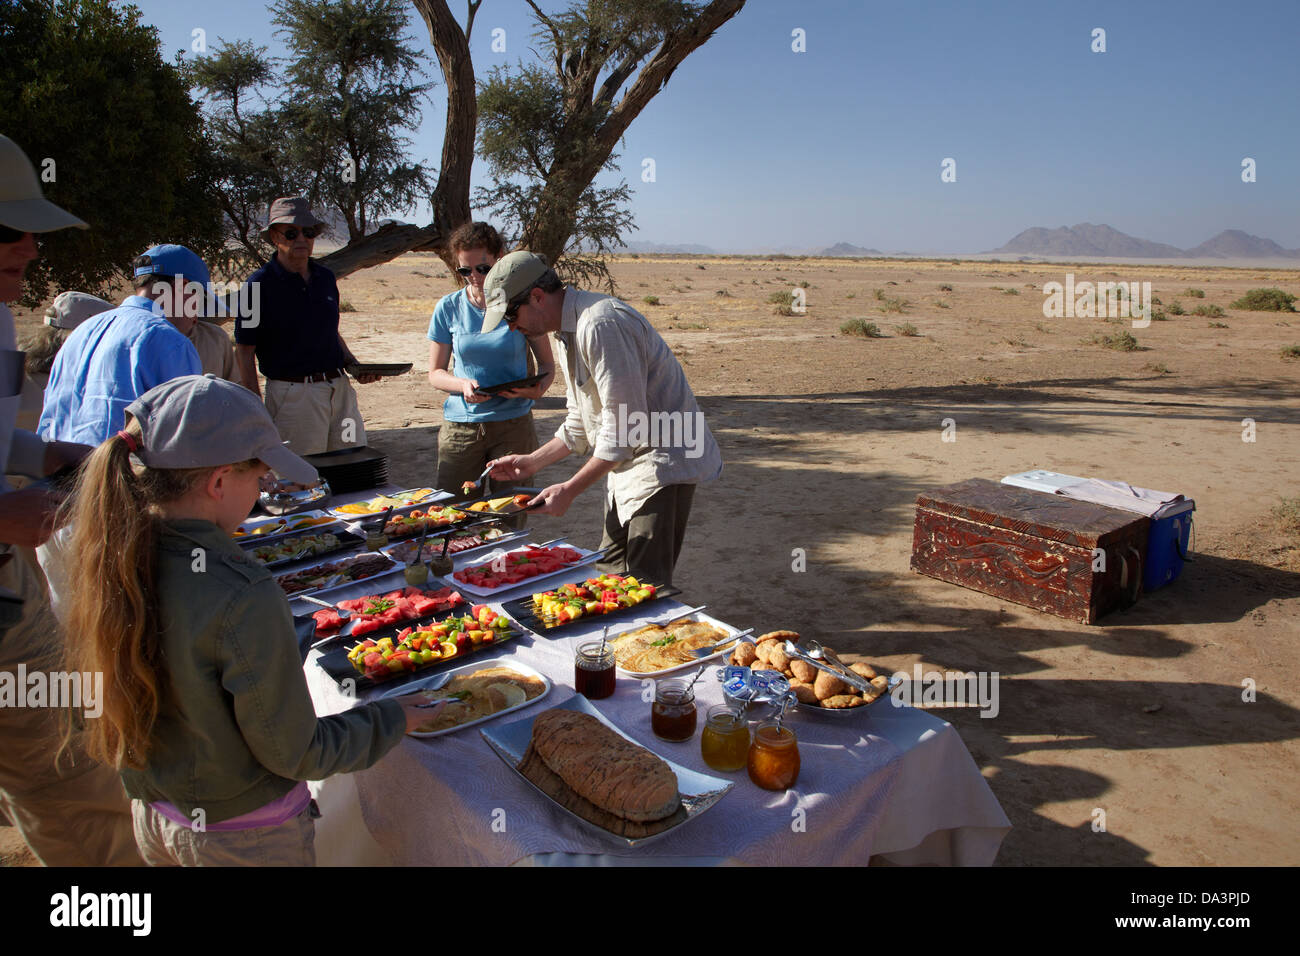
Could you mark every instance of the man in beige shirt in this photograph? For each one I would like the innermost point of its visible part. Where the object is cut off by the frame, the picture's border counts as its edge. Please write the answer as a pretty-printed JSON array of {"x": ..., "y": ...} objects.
[
  {"x": 216, "y": 349},
  {"x": 630, "y": 409}
]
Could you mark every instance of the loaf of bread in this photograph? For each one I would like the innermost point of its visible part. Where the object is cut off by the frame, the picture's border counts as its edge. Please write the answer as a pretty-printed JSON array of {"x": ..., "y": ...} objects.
[{"x": 605, "y": 768}]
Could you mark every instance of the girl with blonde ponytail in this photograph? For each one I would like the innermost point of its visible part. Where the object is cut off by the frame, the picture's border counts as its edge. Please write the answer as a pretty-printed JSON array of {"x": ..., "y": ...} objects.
[{"x": 205, "y": 709}]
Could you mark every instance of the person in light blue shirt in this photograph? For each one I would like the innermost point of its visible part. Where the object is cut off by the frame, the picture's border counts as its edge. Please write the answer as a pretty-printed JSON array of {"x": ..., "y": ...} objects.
[
  {"x": 115, "y": 357},
  {"x": 478, "y": 427}
]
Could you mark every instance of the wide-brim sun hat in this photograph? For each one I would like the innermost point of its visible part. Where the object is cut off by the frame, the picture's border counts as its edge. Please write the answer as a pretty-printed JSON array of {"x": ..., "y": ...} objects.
[
  {"x": 291, "y": 211},
  {"x": 22, "y": 204}
]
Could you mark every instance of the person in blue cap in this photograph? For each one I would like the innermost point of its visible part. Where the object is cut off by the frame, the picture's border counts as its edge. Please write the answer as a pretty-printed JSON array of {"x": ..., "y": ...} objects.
[{"x": 115, "y": 357}]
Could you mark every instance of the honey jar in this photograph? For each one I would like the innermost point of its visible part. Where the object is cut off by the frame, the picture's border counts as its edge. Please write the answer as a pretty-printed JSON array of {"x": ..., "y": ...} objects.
[
  {"x": 724, "y": 742},
  {"x": 774, "y": 757}
]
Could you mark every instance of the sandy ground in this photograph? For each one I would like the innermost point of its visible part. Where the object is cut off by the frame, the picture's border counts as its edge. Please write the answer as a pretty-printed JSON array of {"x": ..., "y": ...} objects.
[{"x": 828, "y": 439}]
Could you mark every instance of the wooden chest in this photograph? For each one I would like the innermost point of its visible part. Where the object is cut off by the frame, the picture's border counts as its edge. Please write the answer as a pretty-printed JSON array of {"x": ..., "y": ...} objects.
[{"x": 1073, "y": 559}]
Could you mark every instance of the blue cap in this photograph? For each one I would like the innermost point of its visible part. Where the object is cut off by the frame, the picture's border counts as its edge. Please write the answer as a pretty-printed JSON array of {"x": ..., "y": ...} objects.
[{"x": 171, "y": 260}]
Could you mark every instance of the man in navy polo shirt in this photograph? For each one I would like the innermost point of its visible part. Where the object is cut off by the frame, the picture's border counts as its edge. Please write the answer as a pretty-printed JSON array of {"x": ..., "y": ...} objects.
[{"x": 294, "y": 334}]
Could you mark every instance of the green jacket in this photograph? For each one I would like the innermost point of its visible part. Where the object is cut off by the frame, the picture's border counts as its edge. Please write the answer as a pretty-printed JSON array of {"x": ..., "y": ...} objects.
[{"x": 237, "y": 728}]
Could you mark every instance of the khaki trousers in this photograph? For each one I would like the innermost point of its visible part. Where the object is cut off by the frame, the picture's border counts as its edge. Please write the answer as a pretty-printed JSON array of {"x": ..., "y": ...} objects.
[
  {"x": 315, "y": 417},
  {"x": 648, "y": 544},
  {"x": 164, "y": 842},
  {"x": 70, "y": 811}
]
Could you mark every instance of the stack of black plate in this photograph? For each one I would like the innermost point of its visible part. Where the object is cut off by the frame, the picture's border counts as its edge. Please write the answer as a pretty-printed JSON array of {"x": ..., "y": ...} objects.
[{"x": 352, "y": 469}]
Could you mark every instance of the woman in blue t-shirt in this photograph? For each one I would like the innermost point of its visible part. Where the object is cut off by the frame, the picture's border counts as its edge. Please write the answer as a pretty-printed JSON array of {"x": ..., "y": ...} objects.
[{"x": 477, "y": 427}]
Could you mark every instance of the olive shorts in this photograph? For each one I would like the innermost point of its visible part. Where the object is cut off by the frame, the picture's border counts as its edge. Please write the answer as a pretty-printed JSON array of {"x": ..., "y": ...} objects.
[
  {"x": 648, "y": 544},
  {"x": 464, "y": 448}
]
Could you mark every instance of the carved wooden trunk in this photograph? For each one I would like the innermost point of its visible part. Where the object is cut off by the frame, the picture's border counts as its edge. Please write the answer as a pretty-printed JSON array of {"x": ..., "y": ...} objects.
[{"x": 1073, "y": 559}]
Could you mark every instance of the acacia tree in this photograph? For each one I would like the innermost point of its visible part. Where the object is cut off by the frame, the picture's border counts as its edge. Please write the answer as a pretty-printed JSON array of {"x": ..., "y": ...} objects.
[
  {"x": 544, "y": 173},
  {"x": 547, "y": 132},
  {"x": 109, "y": 124},
  {"x": 350, "y": 94}
]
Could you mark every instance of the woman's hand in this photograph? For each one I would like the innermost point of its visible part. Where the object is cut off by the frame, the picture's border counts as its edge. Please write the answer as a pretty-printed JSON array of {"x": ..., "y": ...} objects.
[
  {"x": 467, "y": 386},
  {"x": 532, "y": 394}
]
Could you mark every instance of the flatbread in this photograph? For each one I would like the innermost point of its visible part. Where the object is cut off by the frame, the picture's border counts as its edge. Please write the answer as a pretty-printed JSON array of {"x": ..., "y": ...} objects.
[
  {"x": 641, "y": 651},
  {"x": 482, "y": 693}
]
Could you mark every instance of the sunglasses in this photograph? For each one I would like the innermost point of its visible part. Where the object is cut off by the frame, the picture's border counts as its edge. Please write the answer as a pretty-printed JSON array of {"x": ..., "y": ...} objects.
[
  {"x": 481, "y": 269},
  {"x": 309, "y": 232},
  {"x": 10, "y": 235},
  {"x": 512, "y": 309}
]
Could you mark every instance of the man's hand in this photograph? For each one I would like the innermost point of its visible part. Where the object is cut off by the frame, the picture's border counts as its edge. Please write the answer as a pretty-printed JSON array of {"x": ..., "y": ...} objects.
[
  {"x": 367, "y": 378},
  {"x": 512, "y": 467},
  {"x": 555, "y": 499}
]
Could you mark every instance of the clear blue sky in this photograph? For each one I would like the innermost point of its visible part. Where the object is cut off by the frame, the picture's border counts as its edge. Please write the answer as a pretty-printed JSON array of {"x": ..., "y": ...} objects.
[{"x": 760, "y": 147}]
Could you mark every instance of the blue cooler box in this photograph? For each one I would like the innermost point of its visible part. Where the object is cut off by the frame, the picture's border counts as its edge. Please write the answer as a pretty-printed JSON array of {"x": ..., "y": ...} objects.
[{"x": 1167, "y": 545}]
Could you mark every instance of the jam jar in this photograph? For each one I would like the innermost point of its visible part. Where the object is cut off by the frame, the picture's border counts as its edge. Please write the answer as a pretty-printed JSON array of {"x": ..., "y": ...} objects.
[
  {"x": 593, "y": 671},
  {"x": 724, "y": 742},
  {"x": 774, "y": 757},
  {"x": 672, "y": 715}
]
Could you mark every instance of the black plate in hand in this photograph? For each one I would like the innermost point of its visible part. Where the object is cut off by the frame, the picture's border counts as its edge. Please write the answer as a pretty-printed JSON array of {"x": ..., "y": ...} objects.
[
  {"x": 379, "y": 368},
  {"x": 528, "y": 382},
  {"x": 521, "y": 609}
]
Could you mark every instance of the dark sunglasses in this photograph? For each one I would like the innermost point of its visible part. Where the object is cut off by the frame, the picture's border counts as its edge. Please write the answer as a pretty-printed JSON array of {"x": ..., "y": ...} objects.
[
  {"x": 310, "y": 232},
  {"x": 512, "y": 309},
  {"x": 481, "y": 269},
  {"x": 10, "y": 235}
]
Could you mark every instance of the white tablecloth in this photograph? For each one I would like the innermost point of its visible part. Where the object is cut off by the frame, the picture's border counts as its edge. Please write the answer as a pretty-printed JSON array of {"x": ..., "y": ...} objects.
[{"x": 892, "y": 785}]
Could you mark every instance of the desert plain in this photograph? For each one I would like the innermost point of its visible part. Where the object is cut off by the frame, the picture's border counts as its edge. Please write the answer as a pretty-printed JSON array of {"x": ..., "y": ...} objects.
[{"x": 1164, "y": 735}]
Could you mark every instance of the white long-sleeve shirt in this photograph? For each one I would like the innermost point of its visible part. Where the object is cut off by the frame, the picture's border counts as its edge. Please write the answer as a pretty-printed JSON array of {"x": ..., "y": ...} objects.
[{"x": 629, "y": 401}]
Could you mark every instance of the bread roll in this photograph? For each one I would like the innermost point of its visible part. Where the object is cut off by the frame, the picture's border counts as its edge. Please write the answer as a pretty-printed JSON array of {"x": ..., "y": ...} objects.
[
  {"x": 865, "y": 670},
  {"x": 828, "y": 685},
  {"x": 604, "y": 767},
  {"x": 803, "y": 671},
  {"x": 804, "y": 691}
]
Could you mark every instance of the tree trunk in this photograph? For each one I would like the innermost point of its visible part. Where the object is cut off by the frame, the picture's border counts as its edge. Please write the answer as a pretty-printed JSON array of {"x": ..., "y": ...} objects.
[
  {"x": 552, "y": 222},
  {"x": 450, "y": 199}
]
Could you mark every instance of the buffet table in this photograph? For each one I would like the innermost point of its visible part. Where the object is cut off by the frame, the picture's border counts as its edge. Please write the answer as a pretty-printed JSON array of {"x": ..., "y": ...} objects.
[{"x": 882, "y": 784}]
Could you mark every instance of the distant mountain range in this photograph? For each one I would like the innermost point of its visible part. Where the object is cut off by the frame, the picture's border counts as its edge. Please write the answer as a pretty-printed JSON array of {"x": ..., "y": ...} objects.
[{"x": 1087, "y": 239}]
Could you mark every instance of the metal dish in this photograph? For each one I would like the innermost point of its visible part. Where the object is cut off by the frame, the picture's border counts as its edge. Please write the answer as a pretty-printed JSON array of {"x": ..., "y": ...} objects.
[
  {"x": 291, "y": 502},
  {"x": 699, "y": 791},
  {"x": 434, "y": 681}
]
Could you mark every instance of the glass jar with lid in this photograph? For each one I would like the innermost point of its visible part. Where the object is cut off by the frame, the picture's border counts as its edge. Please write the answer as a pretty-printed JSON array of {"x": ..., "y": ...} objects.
[
  {"x": 724, "y": 742},
  {"x": 774, "y": 756}
]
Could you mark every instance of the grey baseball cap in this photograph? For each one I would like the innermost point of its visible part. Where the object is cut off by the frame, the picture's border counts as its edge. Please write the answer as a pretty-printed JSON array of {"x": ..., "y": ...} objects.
[
  {"x": 511, "y": 277},
  {"x": 70, "y": 309},
  {"x": 201, "y": 421}
]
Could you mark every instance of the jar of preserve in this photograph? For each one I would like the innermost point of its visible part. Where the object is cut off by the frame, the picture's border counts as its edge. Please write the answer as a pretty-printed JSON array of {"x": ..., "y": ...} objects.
[
  {"x": 672, "y": 715},
  {"x": 774, "y": 757},
  {"x": 375, "y": 538},
  {"x": 417, "y": 575},
  {"x": 593, "y": 670},
  {"x": 724, "y": 742}
]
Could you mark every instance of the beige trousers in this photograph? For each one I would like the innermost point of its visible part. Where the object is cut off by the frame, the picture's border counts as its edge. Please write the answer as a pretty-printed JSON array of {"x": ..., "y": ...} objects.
[
  {"x": 315, "y": 417},
  {"x": 71, "y": 811},
  {"x": 164, "y": 842}
]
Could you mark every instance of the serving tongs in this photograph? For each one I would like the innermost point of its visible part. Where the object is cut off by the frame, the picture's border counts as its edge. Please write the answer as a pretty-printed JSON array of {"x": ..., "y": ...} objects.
[
  {"x": 848, "y": 676},
  {"x": 702, "y": 652}
]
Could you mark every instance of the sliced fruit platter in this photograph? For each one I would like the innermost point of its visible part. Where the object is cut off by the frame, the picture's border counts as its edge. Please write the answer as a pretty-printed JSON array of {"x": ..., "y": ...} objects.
[
  {"x": 401, "y": 499},
  {"x": 318, "y": 577},
  {"x": 600, "y": 596},
  {"x": 415, "y": 649},
  {"x": 377, "y": 611},
  {"x": 298, "y": 547},
  {"x": 461, "y": 542},
  {"x": 510, "y": 504},
  {"x": 514, "y": 567},
  {"x": 418, "y": 522},
  {"x": 262, "y": 529}
]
